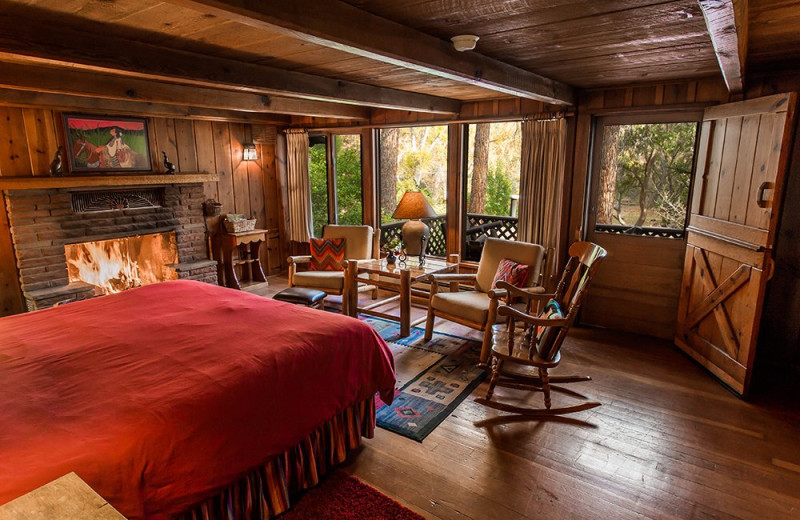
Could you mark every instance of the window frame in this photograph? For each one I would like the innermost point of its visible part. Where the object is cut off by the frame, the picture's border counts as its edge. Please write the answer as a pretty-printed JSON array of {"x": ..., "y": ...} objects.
[{"x": 595, "y": 160}]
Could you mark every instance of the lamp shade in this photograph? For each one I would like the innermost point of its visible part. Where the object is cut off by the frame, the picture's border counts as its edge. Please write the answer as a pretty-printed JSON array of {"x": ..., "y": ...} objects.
[{"x": 413, "y": 205}]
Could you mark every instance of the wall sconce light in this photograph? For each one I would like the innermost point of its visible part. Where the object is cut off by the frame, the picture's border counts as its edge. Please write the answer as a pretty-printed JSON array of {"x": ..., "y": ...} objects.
[{"x": 249, "y": 152}]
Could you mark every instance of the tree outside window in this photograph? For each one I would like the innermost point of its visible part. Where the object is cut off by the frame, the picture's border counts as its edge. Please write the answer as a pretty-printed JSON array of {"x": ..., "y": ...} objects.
[
  {"x": 493, "y": 168},
  {"x": 318, "y": 177},
  {"x": 645, "y": 174},
  {"x": 414, "y": 159},
  {"x": 340, "y": 201},
  {"x": 347, "y": 163}
]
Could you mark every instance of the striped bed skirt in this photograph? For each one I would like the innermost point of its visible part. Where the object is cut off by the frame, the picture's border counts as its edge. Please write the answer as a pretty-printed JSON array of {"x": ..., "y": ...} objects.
[{"x": 267, "y": 490}]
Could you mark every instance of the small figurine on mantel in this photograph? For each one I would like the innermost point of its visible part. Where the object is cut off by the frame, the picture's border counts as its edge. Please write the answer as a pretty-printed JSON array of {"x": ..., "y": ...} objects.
[
  {"x": 168, "y": 165},
  {"x": 57, "y": 165}
]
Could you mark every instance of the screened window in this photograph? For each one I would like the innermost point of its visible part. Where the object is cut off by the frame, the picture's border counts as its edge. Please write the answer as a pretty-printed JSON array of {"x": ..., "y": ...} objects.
[
  {"x": 336, "y": 196},
  {"x": 318, "y": 173},
  {"x": 492, "y": 187},
  {"x": 414, "y": 159},
  {"x": 347, "y": 166},
  {"x": 642, "y": 177}
]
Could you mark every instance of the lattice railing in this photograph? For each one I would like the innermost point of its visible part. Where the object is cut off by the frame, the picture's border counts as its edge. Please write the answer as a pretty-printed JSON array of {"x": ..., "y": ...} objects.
[
  {"x": 640, "y": 231},
  {"x": 437, "y": 245},
  {"x": 479, "y": 227}
]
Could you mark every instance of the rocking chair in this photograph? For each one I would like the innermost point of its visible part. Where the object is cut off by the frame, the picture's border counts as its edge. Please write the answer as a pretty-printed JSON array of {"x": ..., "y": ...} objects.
[{"x": 537, "y": 345}]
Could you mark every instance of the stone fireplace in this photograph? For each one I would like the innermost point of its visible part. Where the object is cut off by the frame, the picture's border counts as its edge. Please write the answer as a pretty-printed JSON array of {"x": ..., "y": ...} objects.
[{"x": 74, "y": 244}]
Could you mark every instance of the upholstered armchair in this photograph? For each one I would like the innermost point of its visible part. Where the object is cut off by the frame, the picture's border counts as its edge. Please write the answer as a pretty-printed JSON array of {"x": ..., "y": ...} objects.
[
  {"x": 357, "y": 246},
  {"x": 477, "y": 309}
]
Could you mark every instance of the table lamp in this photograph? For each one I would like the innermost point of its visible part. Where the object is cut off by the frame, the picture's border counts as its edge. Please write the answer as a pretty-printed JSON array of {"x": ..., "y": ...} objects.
[{"x": 414, "y": 206}]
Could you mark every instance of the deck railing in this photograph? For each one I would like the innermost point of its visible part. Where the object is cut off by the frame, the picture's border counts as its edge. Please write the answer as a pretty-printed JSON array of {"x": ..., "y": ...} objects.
[
  {"x": 640, "y": 231},
  {"x": 477, "y": 229}
]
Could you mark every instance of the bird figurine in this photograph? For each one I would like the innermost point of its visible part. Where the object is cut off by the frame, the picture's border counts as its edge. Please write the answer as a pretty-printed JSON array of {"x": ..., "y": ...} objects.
[
  {"x": 56, "y": 166},
  {"x": 168, "y": 165}
]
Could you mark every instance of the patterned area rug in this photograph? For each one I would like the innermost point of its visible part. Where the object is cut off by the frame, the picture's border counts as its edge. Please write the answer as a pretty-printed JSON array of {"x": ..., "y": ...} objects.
[{"x": 432, "y": 378}]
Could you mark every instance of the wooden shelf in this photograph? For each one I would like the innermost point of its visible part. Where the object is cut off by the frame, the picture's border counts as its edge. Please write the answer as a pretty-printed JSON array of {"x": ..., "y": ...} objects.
[{"x": 94, "y": 181}]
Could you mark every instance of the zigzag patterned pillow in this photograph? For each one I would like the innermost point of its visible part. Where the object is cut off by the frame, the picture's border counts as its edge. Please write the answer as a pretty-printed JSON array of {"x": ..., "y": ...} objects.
[
  {"x": 511, "y": 272},
  {"x": 327, "y": 254}
]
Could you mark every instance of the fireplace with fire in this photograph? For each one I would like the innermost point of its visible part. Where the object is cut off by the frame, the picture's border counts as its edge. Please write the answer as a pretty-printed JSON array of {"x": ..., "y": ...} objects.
[
  {"x": 119, "y": 264},
  {"x": 73, "y": 244}
]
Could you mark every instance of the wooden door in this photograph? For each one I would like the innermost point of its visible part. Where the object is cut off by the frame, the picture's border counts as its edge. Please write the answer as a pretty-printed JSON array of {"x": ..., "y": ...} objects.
[{"x": 738, "y": 184}]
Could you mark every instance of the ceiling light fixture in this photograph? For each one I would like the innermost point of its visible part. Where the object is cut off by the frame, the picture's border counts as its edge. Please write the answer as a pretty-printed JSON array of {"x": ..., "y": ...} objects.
[{"x": 464, "y": 42}]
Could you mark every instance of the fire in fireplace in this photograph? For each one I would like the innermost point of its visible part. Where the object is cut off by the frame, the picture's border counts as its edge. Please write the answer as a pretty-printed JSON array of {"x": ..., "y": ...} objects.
[{"x": 119, "y": 264}]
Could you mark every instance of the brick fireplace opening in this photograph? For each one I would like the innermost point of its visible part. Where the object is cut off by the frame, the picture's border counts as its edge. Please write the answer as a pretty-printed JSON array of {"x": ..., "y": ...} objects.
[
  {"x": 66, "y": 240},
  {"x": 119, "y": 264}
]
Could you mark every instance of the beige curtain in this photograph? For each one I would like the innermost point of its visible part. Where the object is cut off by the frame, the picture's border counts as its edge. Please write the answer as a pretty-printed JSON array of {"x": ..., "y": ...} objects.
[
  {"x": 541, "y": 182},
  {"x": 298, "y": 185}
]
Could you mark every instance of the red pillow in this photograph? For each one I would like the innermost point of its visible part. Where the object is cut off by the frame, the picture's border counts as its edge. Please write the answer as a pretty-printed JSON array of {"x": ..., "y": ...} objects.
[
  {"x": 512, "y": 272},
  {"x": 327, "y": 254}
]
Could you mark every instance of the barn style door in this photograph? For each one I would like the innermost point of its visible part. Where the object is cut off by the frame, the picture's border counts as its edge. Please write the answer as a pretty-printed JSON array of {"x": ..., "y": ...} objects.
[{"x": 741, "y": 164}]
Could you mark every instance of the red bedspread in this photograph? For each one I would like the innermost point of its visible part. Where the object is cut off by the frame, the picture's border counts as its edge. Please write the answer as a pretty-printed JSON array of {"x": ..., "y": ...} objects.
[{"x": 160, "y": 396}]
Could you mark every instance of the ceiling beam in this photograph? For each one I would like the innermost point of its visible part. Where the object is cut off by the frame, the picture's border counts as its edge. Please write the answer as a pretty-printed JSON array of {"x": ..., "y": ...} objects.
[
  {"x": 338, "y": 25},
  {"x": 61, "y": 44},
  {"x": 726, "y": 21},
  {"x": 27, "y": 98},
  {"x": 91, "y": 84}
]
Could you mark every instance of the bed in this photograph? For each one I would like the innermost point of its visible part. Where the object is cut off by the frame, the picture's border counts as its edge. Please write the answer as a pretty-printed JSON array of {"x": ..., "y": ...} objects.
[{"x": 184, "y": 399}]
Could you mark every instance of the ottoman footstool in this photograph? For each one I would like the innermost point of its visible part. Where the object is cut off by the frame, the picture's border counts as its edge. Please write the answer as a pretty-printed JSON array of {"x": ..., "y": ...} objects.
[{"x": 302, "y": 296}]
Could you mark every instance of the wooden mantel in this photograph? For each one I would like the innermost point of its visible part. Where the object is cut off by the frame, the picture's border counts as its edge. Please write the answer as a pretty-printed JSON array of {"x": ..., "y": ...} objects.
[{"x": 69, "y": 181}]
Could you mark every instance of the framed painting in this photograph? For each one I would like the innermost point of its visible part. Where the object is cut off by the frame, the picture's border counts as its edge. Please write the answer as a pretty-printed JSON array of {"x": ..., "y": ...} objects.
[{"x": 106, "y": 144}]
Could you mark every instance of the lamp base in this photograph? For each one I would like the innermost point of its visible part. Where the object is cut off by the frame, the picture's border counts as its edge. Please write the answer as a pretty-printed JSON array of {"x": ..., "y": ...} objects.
[{"x": 413, "y": 233}]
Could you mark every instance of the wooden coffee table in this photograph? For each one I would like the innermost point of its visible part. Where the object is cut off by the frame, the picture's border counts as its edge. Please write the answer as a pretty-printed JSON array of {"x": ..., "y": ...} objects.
[{"x": 397, "y": 278}]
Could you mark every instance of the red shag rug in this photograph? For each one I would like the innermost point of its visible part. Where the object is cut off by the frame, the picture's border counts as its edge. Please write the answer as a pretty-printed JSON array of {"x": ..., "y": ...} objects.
[{"x": 342, "y": 497}]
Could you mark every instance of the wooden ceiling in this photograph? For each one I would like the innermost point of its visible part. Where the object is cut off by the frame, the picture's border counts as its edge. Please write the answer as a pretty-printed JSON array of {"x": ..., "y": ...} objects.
[
  {"x": 585, "y": 43},
  {"x": 338, "y": 58}
]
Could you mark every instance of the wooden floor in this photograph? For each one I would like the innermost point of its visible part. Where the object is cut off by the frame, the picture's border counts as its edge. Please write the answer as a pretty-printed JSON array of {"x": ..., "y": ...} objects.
[{"x": 668, "y": 442}]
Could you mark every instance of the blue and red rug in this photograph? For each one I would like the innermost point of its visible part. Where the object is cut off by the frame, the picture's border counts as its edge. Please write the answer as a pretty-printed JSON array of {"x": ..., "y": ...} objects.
[{"x": 432, "y": 378}]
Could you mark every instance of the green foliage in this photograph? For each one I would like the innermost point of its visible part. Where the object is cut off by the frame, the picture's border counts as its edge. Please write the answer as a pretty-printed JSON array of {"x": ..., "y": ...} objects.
[
  {"x": 654, "y": 169},
  {"x": 498, "y": 191},
  {"x": 348, "y": 179},
  {"x": 318, "y": 176},
  {"x": 505, "y": 149},
  {"x": 348, "y": 182}
]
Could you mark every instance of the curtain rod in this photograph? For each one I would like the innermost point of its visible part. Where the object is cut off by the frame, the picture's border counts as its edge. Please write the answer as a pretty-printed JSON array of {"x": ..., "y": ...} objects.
[{"x": 538, "y": 116}]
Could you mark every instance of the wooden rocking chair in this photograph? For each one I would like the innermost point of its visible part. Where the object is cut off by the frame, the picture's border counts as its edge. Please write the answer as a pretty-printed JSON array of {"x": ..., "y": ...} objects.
[{"x": 537, "y": 345}]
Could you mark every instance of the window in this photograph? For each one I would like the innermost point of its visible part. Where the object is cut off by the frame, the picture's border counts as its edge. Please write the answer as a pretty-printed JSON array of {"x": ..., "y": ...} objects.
[
  {"x": 492, "y": 187},
  {"x": 318, "y": 173},
  {"x": 414, "y": 158},
  {"x": 642, "y": 176},
  {"x": 347, "y": 166},
  {"x": 335, "y": 185}
]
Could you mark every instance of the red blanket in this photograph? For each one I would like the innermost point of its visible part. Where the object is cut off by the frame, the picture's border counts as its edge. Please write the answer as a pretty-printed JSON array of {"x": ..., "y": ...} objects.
[{"x": 159, "y": 397}]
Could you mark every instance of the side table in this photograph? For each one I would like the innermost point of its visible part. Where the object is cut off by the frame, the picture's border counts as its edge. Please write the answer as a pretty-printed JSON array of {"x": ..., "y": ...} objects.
[{"x": 248, "y": 243}]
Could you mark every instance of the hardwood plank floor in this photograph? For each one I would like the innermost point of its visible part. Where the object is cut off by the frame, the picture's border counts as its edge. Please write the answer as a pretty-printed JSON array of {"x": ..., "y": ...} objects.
[{"x": 668, "y": 442}]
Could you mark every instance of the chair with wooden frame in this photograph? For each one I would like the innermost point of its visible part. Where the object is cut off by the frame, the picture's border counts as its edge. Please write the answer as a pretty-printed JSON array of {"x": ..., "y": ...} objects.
[
  {"x": 537, "y": 346},
  {"x": 477, "y": 309},
  {"x": 357, "y": 246}
]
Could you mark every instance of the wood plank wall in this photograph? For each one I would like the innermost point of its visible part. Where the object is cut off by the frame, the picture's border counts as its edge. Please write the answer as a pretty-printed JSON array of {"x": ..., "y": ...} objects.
[
  {"x": 30, "y": 137},
  {"x": 638, "y": 287}
]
